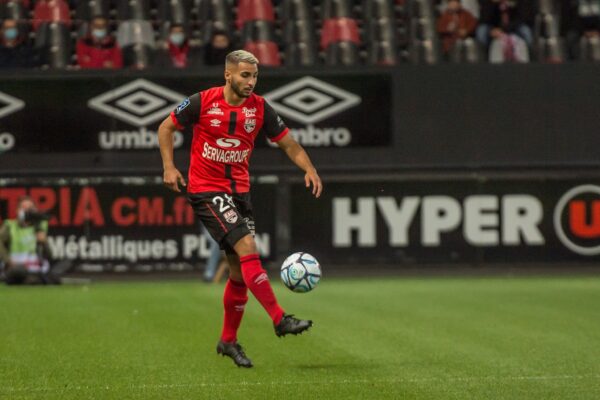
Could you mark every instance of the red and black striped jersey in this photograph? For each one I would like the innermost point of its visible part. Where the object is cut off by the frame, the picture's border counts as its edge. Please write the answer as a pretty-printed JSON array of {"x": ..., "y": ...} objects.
[{"x": 224, "y": 138}]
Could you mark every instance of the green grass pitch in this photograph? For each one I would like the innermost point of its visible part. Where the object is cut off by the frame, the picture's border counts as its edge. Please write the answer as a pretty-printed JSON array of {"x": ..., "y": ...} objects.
[{"x": 384, "y": 338}]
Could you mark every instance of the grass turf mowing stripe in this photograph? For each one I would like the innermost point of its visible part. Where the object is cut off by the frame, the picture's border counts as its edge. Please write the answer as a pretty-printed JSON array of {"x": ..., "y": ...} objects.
[{"x": 373, "y": 338}]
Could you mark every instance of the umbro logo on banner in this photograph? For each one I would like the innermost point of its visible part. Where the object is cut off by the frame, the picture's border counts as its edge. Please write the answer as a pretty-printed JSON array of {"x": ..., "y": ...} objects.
[
  {"x": 9, "y": 104},
  {"x": 139, "y": 103},
  {"x": 309, "y": 100}
]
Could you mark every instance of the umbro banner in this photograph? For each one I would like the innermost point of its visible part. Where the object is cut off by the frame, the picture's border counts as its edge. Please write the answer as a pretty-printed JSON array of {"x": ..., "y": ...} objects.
[
  {"x": 129, "y": 224},
  {"x": 79, "y": 113}
]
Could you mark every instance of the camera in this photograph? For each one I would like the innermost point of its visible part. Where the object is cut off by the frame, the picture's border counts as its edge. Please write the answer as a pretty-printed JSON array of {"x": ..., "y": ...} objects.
[{"x": 35, "y": 217}]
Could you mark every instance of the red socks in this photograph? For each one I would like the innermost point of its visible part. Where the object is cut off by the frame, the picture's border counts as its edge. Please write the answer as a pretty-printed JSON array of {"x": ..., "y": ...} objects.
[
  {"x": 257, "y": 281},
  {"x": 234, "y": 300}
]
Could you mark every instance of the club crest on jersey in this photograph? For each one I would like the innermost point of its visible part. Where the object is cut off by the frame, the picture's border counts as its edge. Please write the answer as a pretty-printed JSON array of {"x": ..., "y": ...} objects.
[
  {"x": 250, "y": 124},
  {"x": 215, "y": 110},
  {"x": 230, "y": 216},
  {"x": 249, "y": 112}
]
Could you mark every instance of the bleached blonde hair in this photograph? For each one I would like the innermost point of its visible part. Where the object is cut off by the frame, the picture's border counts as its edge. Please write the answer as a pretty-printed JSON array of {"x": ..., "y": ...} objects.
[{"x": 238, "y": 56}]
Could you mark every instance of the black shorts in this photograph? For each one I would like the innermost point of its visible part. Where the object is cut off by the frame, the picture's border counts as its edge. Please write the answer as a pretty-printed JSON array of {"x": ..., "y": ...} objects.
[{"x": 227, "y": 217}]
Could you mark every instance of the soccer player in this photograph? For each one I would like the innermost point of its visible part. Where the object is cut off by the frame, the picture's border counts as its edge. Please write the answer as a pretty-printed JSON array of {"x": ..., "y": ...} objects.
[{"x": 226, "y": 120}]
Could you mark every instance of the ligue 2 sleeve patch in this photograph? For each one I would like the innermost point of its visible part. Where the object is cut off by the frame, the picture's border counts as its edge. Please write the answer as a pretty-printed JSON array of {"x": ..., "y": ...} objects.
[{"x": 183, "y": 105}]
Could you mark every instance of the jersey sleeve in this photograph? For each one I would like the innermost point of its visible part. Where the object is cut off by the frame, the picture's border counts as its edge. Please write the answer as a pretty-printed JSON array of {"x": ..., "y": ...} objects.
[
  {"x": 273, "y": 125},
  {"x": 188, "y": 112}
]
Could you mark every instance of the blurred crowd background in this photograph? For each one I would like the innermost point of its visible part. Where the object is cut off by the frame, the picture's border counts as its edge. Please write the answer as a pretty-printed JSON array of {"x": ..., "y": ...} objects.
[{"x": 141, "y": 34}]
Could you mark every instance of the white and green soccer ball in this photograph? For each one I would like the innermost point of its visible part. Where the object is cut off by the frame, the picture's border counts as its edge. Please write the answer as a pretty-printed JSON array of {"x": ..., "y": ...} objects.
[{"x": 300, "y": 272}]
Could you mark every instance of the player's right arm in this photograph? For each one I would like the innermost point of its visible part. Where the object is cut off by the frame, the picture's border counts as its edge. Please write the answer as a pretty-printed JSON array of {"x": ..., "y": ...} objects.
[
  {"x": 187, "y": 113},
  {"x": 166, "y": 135}
]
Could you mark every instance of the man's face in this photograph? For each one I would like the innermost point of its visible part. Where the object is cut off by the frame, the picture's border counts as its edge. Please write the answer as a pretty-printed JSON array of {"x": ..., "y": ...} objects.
[{"x": 242, "y": 78}]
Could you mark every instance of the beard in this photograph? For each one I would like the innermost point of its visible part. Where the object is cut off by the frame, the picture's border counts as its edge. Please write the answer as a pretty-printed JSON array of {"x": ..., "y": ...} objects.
[{"x": 239, "y": 91}]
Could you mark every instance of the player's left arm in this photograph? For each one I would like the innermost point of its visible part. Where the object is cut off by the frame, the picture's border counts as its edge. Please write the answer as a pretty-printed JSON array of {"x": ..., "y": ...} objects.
[
  {"x": 298, "y": 155},
  {"x": 277, "y": 132}
]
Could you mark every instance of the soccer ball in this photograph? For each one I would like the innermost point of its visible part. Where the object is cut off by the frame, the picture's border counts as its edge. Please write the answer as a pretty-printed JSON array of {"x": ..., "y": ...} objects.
[{"x": 300, "y": 272}]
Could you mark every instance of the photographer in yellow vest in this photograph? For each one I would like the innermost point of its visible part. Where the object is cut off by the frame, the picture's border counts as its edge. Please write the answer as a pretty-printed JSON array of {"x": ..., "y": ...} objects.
[{"x": 24, "y": 249}]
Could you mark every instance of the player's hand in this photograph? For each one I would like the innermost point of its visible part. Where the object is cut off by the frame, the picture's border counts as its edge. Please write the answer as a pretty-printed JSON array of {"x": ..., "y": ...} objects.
[
  {"x": 171, "y": 178},
  {"x": 312, "y": 177}
]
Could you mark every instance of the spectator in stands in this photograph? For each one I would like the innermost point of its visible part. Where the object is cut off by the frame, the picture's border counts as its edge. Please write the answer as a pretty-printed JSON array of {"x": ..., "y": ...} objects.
[
  {"x": 178, "y": 52},
  {"x": 15, "y": 52},
  {"x": 99, "y": 49},
  {"x": 219, "y": 46},
  {"x": 455, "y": 23},
  {"x": 504, "y": 16},
  {"x": 23, "y": 245},
  {"x": 504, "y": 29}
]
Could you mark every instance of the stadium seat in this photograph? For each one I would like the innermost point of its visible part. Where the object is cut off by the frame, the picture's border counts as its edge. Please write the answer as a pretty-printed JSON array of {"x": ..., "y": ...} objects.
[
  {"x": 266, "y": 52},
  {"x": 342, "y": 54},
  {"x": 299, "y": 31},
  {"x": 381, "y": 53},
  {"x": 300, "y": 54},
  {"x": 589, "y": 49},
  {"x": 424, "y": 51},
  {"x": 258, "y": 31},
  {"x": 138, "y": 56},
  {"x": 336, "y": 9},
  {"x": 88, "y": 9},
  {"x": 296, "y": 10},
  {"x": 382, "y": 29},
  {"x": 377, "y": 9},
  {"x": 53, "y": 44},
  {"x": 51, "y": 11},
  {"x": 214, "y": 15},
  {"x": 174, "y": 11},
  {"x": 339, "y": 30},
  {"x": 133, "y": 9},
  {"x": 466, "y": 51},
  {"x": 548, "y": 45},
  {"x": 135, "y": 32},
  {"x": 422, "y": 29},
  {"x": 251, "y": 10}
]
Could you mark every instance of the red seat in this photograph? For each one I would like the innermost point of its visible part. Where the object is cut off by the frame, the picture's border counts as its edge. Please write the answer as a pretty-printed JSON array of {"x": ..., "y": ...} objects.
[
  {"x": 339, "y": 30},
  {"x": 250, "y": 10},
  {"x": 51, "y": 11},
  {"x": 266, "y": 52}
]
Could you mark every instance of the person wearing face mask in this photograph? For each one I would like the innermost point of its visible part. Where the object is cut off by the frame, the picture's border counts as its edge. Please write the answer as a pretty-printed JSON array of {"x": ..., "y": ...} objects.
[
  {"x": 24, "y": 251},
  {"x": 14, "y": 51},
  {"x": 99, "y": 49},
  {"x": 178, "y": 51}
]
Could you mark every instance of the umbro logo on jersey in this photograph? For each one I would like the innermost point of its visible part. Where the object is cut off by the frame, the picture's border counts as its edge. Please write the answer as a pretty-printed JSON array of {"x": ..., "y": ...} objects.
[
  {"x": 139, "y": 103},
  {"x": 215, "y": 122},
  {"x": 228, "y": 142}
]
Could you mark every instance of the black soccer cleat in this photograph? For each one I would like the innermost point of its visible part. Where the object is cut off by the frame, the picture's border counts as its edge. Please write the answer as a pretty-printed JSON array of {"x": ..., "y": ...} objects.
[
  {"x": 289, "y": 324},
  {"x": 235, "y": 352}
]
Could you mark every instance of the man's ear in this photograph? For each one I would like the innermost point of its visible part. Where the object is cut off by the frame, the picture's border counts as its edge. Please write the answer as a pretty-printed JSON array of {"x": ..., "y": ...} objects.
[{"x": 227, "y": 75}]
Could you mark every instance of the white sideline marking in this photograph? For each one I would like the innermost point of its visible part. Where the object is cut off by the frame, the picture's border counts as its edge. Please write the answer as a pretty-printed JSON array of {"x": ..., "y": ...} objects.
[{"x": 280, "y": 383}]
